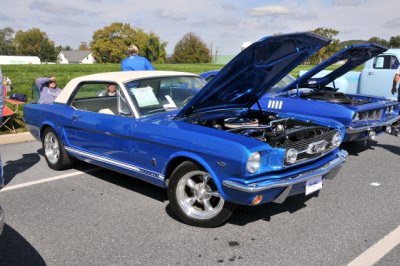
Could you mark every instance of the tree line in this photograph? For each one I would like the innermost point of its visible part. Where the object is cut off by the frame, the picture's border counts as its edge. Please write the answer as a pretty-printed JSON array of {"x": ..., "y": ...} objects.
[{"x": 109, "y": 45}]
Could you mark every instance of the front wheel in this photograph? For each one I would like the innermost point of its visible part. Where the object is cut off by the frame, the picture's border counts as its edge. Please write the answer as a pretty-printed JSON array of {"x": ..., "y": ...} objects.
[
  {"x": 195, "y": 199},
  {"x": 54, "y": 151}
]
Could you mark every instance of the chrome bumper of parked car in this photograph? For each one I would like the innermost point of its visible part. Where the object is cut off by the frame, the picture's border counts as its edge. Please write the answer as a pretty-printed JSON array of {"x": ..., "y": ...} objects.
[
  {"x": 329, "y": 170},
  {"x": 353, "y": 130}
]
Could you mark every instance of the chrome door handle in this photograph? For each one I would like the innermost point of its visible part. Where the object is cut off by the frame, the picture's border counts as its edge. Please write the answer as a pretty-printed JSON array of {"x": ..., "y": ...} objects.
[
  {"x": 371, "y": 73},
  {"x": 74, "y": 117}
]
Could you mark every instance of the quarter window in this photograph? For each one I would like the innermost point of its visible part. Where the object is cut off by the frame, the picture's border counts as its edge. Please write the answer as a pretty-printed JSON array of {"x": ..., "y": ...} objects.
[{"x": 105, "y": 98}]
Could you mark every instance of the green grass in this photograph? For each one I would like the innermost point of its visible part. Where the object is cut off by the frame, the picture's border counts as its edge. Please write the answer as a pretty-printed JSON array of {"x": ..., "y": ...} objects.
[{"x": 23, "y": 76}]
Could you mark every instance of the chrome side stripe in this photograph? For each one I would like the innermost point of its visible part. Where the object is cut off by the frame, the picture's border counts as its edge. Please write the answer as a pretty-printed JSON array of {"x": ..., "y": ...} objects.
[
  {"x": 115, "y": 163},
  {"x": 275, "y": 104}
]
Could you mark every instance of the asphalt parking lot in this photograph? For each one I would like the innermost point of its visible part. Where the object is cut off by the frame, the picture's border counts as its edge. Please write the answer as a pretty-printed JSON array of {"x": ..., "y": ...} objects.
[{"x": 92, "y": 216}]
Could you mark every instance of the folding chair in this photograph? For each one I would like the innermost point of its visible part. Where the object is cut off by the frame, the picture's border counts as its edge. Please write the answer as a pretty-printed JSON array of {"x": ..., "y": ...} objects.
[
  {"x": 35, "y": 93},
  {"x": 9, "y": 114},
  {"x": 14, "y": 103}
]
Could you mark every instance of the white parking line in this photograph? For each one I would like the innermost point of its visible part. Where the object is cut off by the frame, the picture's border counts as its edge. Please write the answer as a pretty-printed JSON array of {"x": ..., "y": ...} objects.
[
  {"x": 379, "y": 250},
  {"x": 27, "y": 184}
]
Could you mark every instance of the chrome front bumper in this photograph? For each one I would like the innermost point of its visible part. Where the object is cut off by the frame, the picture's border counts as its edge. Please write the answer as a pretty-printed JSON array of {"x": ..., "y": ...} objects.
[
  {"x": 353, "y": 130},
  {"x": 329, "y": 170}
]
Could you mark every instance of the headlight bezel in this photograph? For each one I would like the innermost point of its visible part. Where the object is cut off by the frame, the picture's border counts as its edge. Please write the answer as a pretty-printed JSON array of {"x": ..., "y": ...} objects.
[
  {"x": 291, "y": 156},
  {"x": 253, "y": 163},
  {"x": 356, "y": 117},
  {"x": 336, "y": 139}
]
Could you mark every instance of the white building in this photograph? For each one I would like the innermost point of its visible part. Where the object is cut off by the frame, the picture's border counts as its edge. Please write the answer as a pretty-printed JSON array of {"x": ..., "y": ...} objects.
[
  {"x": 17, "y": 59},
  {"x": 75, "y": 57}
]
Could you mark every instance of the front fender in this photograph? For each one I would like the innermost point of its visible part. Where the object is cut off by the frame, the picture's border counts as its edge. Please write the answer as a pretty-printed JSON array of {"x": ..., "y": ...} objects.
[{"x": 203, "y": 162}]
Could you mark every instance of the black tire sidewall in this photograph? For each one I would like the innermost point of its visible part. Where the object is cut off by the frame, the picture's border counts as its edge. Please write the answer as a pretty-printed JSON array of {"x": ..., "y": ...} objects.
[
  {"x": 215, "y": 221},
  {"x": 64, "y": 161}
]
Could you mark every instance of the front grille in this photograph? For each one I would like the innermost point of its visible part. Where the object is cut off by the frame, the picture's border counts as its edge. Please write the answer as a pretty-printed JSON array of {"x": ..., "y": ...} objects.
[
  {"x": 370, "y": 115},
  {"x": 302, "y": 145}
]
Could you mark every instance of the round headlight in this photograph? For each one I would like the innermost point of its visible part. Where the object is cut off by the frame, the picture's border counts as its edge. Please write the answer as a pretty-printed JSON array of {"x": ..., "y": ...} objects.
[
  {"x": 336, "y": 139},
  {"x": 291, "y": 156},
  {"x": 392, "y": 109},
  {"x": 387, "y": 110},
  {"x": 356, "y": 117},
  {"x": 253, "y": 163}
]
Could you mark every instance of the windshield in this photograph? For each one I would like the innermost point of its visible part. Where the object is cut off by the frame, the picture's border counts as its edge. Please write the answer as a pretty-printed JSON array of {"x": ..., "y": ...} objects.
[
  {"x": 161, "y": 94},
  {"x": 282, "y": 83}
]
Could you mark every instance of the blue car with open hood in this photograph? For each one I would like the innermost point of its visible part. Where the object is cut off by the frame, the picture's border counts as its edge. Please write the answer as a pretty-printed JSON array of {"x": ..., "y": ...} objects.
[
  {"x": 204, "y": 143},
  {"x": 364, "y": 116},
  {"x": 316, "y": 93}
]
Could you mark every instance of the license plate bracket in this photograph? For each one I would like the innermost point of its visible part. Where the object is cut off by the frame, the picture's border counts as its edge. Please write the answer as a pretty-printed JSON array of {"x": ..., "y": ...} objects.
[{"x": 313, "y": 184}]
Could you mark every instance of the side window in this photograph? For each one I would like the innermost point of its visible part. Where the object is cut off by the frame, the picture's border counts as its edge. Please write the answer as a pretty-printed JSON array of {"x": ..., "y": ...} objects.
[
  {"x": 386, "y": 62},
  {"x": 394, "y": 62},
  {"x": 105, "y": 98},
  {"x": 88, "y": 90}
]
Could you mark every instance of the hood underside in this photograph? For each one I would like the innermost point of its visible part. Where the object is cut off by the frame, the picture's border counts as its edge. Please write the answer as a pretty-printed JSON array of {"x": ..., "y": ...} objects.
[
  {"x": 254, "y": 71},
  {"x": 350, "y": 57}
]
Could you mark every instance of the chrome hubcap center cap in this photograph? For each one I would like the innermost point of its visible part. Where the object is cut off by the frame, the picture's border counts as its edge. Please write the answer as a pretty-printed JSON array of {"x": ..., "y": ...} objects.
[{"x": 203, "y": 192}]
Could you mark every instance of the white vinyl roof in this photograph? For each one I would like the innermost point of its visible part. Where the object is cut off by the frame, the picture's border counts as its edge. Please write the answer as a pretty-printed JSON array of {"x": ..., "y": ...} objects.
[{"x": 114, "y": 77}]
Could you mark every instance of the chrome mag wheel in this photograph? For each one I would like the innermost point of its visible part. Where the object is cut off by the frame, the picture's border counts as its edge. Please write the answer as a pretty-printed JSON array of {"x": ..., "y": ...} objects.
[
  {"x": 198, "y": 196},
  {"x": 52, "y": 147}
]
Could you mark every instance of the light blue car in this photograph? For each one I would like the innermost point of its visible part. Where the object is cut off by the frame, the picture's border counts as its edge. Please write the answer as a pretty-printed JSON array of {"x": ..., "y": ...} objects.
[{"x": 377, "y": 76}]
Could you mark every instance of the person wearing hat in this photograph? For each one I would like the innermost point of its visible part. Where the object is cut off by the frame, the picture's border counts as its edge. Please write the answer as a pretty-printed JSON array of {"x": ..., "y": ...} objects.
[
  {"x": 134, "y": 61},
  {"x": 48, "y": 89}
]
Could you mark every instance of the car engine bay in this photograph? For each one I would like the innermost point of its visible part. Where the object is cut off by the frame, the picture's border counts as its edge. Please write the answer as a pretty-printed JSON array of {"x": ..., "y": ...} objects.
[{"x": 306, "y": 137}]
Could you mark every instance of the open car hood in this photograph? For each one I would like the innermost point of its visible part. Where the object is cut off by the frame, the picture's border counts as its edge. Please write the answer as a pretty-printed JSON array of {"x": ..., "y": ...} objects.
[
  {"x": 255, "y": 70},
  {"x": 353, "y": 56}
]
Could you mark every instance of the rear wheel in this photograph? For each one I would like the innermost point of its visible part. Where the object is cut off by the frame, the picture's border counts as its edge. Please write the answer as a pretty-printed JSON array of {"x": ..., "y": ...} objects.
[
  {"x": 54, "y": 151},
  {"x": 195, "y": 199}
]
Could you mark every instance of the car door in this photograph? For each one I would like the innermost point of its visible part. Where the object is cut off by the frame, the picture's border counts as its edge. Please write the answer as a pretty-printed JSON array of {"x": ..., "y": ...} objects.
[
  {"x": 102, "y": 125},
  {"x": 377, "y": 76}
]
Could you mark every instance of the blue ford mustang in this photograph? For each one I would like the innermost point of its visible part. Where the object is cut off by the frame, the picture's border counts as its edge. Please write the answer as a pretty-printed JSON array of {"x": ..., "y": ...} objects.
[
  {"x": 364, "y": 116},
  {"x": 206, "y": 145}
]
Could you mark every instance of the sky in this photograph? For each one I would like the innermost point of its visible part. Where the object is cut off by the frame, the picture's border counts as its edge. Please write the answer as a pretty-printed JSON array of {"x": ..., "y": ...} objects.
[{"x": 223, "y": 24}]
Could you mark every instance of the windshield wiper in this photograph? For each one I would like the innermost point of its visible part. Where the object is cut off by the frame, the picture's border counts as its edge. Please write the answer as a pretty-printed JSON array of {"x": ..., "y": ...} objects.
[{"x": 163, "y": 109}]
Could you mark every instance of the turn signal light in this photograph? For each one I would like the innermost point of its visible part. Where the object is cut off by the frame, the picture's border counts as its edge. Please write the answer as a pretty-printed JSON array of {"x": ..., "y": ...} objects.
[{"x": 257, "y": 199}]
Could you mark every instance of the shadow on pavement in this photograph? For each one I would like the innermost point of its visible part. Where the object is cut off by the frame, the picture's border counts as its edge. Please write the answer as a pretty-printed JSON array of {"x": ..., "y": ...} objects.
[
  {"x": 356, "y": 147},
  {"x": 391, "y": 148},
  {"x": 247, "y": 214},
  {"x": 131, "y": 183},
  {"x": 15, "y": 250},
  {"x": 12, "y": 168}
]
